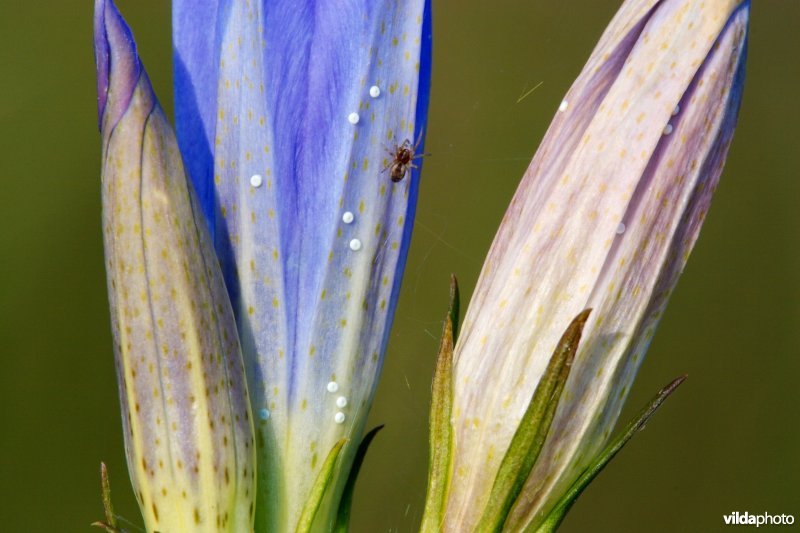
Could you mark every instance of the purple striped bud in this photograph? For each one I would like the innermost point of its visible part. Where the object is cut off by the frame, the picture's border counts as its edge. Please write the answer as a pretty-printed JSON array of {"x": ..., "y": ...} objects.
[
  {"x": 186, "y": 415},
  {"x": 605, "y": 218}
]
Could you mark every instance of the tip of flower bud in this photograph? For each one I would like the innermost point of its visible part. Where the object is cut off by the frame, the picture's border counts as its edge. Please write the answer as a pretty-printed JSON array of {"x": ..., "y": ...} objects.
[{"x": 116, "y": 60}]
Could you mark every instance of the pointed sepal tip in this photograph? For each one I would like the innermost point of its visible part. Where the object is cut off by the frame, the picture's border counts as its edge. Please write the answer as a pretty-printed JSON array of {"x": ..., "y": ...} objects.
[
  {"x": 559, "y": 512},
  {"x": 529, "y": 439}
]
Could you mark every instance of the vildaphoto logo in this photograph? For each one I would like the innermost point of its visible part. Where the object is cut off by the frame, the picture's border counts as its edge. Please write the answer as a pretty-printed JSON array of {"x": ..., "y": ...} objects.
[{"x": 765, "y": 519}]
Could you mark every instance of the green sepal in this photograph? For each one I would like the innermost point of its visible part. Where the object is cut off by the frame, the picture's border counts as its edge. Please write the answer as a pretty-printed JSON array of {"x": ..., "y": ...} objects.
[
  {"x": 454, "y": 308},
  {"x": 441, "y": 432},
  {"x": 110, "y": 525},
  {"x": 346, "y": 503},
  {"x": 319, "y": 489},
  {"x": 558, "y": 513},
  {"x": 532, "y": 431}
]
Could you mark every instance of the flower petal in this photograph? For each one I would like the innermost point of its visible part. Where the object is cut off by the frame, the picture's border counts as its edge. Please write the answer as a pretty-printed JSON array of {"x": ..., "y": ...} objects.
[
  {"x": 196, "y": 38},
  {"x": 310, "y": 229},
  {"x": 118, "y": 67},
  {"x": 604, "y": 219},
  {"x": 186, "y": 415}
]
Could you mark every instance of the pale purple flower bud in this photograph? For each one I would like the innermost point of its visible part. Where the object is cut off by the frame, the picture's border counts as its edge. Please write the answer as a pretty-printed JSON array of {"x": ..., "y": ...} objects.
[
  {"x": 187, "y": 426},
  {"x": 605, "y": 218}
]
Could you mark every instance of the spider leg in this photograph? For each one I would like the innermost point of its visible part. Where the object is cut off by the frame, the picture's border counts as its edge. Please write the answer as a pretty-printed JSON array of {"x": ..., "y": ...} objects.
[{"x": 419, "y": 139}]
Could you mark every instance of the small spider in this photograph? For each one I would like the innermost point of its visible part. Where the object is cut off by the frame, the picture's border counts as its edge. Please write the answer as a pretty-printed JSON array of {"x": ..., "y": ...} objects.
[{"x": 403, "y": 156}]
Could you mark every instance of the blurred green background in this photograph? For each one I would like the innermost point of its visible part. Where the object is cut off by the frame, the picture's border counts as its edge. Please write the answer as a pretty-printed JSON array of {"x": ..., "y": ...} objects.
[{"x": 728, "y": 440}]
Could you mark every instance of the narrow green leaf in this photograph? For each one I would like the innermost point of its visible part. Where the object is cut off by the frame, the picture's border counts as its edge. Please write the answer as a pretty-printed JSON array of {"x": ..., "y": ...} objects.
[
  {"x": 318, "y": 490},
  {"x": 106, "y": 488},
  {"x": 441, "y": 432},
  {"x": 110, "y": 524},
  {"x": 346, "y": 503},
  {"x": 558, "y": 513},
  {"x": 455, "y": 304},
  {"x": 532, "y": 430}
]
